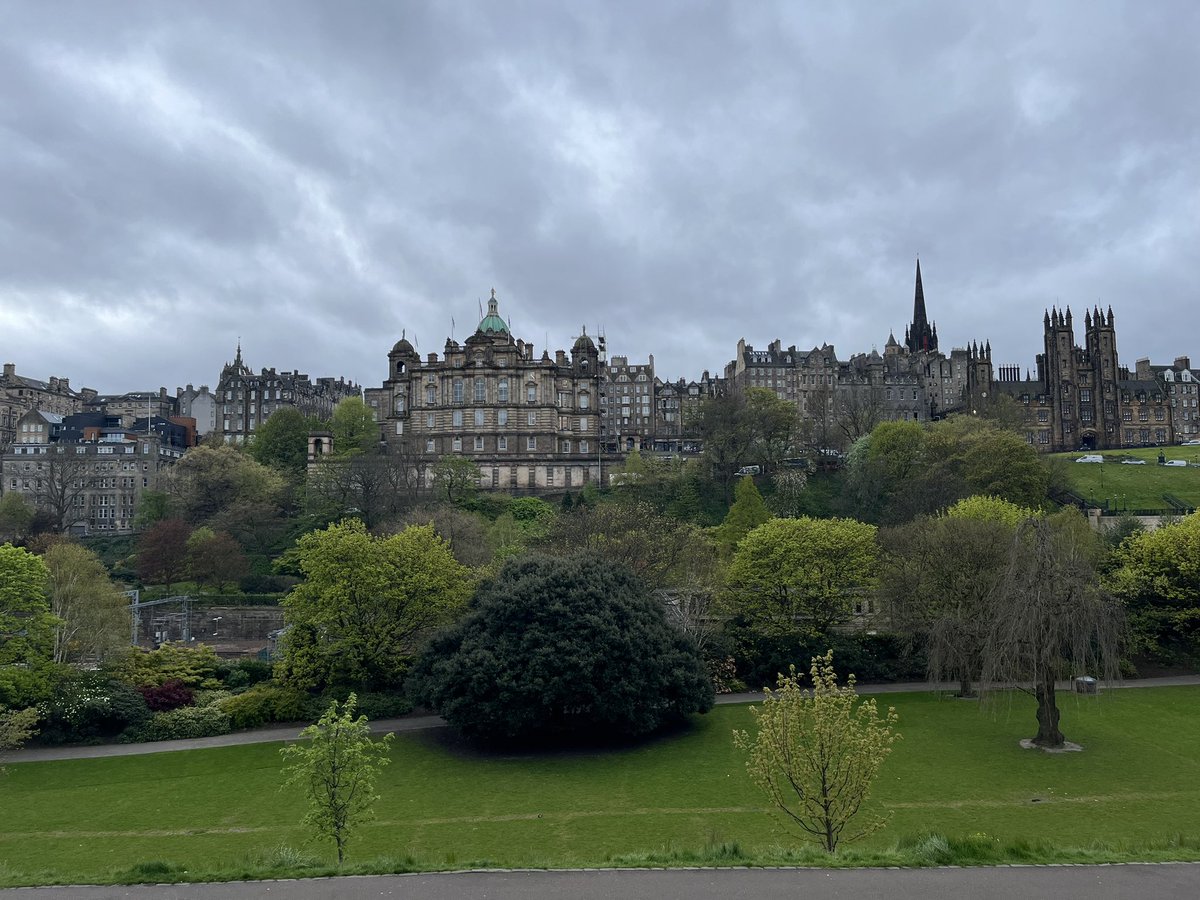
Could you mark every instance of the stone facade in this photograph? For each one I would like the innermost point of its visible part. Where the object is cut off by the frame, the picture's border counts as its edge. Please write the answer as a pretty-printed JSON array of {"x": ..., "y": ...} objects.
[
  {"x": 531, "y": 423},
  {"x": 19, "y": 394},
  {"x": 1081, "y": 398},
  {"x": 200, "y": 405},
  {"x": 627, "y": 405},
  {"x": 86, "y": 487},
  {"x": 1181, "y": 384},
  {"x": 246, "y": 398}
]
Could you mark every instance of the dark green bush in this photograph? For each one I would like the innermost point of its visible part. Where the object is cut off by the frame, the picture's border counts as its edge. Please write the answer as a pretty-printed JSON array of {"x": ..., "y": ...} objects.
[
  {"x": 571, "y": 648},
  {"x": 872, "y": 658},
  {"x": 182, "y": 723},
  {"x": 375, "y": 705}
]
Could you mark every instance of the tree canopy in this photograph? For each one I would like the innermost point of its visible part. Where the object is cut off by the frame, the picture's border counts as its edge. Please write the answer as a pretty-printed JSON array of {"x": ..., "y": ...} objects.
[
  {"x": 354, "y": 427},
  {"x": 356, "y": 619},
  {"x": 562, "y": 648},
  {"x": 804, "y": 575},
  {"x": 281, "y": 442},
  {"x": 93, "y": 616}
]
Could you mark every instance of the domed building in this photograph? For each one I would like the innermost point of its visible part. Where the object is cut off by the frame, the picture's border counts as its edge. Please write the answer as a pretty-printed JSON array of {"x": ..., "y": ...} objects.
[{"x": 528, "y": 421}]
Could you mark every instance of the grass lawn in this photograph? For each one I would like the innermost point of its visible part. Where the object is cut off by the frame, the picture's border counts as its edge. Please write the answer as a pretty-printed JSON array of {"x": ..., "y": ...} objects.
[
  {"x": 958, "y": 771},
  {"x": 1136, "y": 487}
]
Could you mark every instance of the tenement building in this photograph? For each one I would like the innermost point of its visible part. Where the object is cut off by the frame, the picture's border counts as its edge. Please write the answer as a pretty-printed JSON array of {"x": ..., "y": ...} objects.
[
  {"x": 627, "y": 405},
  {"x": 529, "y": 422},
  {"x": 1181, "y": 384},
  {"x": 245, "y": 399},
  {"x": 1081, "y": 397},
  {"x": 18, "y": 395},
  {"x": 91, "y": 485}
]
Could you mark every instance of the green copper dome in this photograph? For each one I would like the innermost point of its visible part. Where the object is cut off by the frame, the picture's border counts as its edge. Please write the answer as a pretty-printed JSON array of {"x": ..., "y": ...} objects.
[{"x": 492, "y": 323}]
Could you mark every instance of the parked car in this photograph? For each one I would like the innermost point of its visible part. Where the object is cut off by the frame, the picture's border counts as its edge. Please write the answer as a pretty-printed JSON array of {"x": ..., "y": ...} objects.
[
  {"x": 1090, "y": 458},
  {"x": 1175, "y": 462},
  {"x": 1133, "y": 462},
  {"x": 1192, "y": 443}
]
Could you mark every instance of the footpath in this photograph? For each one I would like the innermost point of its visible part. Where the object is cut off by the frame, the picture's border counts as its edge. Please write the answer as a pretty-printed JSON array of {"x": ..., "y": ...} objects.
[{"x": 422, "y": 723}]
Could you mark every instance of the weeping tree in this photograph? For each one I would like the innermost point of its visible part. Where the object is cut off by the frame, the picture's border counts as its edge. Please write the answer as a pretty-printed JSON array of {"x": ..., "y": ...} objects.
[{"x": 1050, "y": 617}]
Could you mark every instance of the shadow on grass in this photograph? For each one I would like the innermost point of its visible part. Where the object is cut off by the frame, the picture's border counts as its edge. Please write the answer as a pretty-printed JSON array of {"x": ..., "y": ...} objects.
[{"x": 552, "y": 745}]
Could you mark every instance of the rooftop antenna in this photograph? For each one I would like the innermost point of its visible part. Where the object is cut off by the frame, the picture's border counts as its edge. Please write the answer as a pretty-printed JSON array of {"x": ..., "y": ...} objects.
[{"x": 480, "y": 304}]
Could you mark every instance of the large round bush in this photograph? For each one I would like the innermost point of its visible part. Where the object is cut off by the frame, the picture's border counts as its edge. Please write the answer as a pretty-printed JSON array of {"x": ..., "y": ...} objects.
[{"x": 562, "y": 648}]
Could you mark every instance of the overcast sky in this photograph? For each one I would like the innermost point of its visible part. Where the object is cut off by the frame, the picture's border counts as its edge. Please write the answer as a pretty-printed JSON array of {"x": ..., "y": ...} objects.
[{"x": 316, "y": 177}]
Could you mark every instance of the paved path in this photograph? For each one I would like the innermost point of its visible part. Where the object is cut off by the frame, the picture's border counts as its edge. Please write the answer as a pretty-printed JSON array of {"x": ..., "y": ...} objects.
[
  {"x": 1180, "y": 881},
  {"x": 421, "y": 723}
]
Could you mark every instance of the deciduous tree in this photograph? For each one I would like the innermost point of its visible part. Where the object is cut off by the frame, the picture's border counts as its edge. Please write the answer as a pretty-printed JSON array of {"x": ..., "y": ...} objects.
[
  {"x": 365, "y": 601},
  {"x": 337, "y": 769},
  {"x": 93, "y": 616},
  {"x": 162, "y": 552},
  {"x": 354, "y": 427},
  {"x": 802, "y": 576},
  {"x": 815, "y": 754},
  {"x": 1050, "y": 618},
  {"x": 455, "y": 479},
  {"x": 215, "y": 559},
  {"x": 209, "y": 479},
  {"x": 26, "y": 627},
  {"x": 281, "y": 442}
]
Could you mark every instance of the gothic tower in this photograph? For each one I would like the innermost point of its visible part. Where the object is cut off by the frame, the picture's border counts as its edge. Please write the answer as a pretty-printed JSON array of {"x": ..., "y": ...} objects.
[{"x": 920, "y": 336}]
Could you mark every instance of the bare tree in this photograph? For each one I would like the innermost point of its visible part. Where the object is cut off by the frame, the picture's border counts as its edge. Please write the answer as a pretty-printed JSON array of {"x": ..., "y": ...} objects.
[
  {"x": 859, "y": 407},
  {"x": 938, "y": 578},
  {"x": 61, "y": 487},
  {"x": 375, "y": 486},
  {"x": 1050, "y": 617}
]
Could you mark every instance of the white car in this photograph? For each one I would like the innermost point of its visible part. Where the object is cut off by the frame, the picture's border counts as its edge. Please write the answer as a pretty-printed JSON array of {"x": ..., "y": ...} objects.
[
  {"x": 1193, "y": 443},
  {"x": 1133, "y": 462},
  {"x": 1175, "y": 462},
  {"x": 1091, "y": 457}
]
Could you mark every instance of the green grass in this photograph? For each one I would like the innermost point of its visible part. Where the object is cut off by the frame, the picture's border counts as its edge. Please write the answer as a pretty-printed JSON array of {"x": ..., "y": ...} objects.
[
  {"x": 1136, "y": 487},
  {"x": 1134, "y": 792}
]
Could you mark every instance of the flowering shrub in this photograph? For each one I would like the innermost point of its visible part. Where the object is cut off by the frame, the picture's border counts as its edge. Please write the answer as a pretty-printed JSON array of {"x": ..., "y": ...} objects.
[{"x": 90, "y": 708}]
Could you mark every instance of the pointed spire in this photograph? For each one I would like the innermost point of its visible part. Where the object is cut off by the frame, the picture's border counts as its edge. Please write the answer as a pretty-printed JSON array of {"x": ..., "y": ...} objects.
[
  {"x": 1110, "y": 316},
  {"x": 1087, "y": 319},
  {"x": 920, "y": 337},
  {"x": 1046, "y": 317}
]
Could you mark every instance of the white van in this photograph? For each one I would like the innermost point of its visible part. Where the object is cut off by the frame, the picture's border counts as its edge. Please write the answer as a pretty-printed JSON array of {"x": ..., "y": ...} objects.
[
  {"x": 1091, "y": 457},
  {"x": 1175, "y": 462}
]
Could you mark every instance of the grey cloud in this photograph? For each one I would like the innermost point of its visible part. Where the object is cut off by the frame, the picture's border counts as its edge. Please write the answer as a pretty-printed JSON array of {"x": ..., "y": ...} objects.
[{"x": 317, "y": 177}]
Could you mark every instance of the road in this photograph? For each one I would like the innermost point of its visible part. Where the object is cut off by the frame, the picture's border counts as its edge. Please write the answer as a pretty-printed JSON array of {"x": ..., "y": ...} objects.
[{"x": 1160, "y": 882}]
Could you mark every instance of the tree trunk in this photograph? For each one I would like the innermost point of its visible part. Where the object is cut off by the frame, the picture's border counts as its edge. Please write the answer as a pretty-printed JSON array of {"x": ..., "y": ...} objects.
[
  {"x": 1048, "y": 734},
  {"x": 966, "y": 688}
]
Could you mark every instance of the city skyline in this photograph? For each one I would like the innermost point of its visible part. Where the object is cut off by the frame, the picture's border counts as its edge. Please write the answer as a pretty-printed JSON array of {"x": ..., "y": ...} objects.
[{"x": 676, "y": 176}]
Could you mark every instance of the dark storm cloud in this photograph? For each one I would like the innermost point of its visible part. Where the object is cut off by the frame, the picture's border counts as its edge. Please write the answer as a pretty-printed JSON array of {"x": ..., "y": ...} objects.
[{"x": 316, "y": 177}]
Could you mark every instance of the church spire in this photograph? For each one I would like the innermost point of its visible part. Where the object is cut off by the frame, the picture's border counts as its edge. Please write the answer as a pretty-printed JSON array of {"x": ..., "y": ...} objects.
[{"x": 921, "y": 337}]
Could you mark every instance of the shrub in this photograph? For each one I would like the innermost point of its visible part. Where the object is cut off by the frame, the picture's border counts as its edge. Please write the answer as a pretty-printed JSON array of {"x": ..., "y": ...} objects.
[
  {"x": 87, "y": 707},
  {"x": 564, "y": 648},
  {"x": 384, "y": 706},
  {"x": 166, "y": 696},
  {"x": 268, "y": 703},
  {"x": 194, "y": 666},
  {"x": 184, "y": 722},
  {"x": 210, "y": 698}
]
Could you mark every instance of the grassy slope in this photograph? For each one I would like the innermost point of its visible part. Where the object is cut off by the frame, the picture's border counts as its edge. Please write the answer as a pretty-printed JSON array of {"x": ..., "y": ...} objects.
[
  {"x": 958, "y": 771},
  {"x": 1140, "y": 486}
]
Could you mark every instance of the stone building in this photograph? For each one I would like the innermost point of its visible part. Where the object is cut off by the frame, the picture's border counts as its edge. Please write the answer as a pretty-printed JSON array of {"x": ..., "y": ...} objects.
[
  {"x": 530, "y": 422},
  {"x": 134, "y": 404},
  {"x": 1081, "y": 397},
  {"x": 200, "y": 405},
  {"x": 18, "y": 395},
  {"x": 87, "y": 486},
  {"x": 1181, "y": 384},
  {"x": 246, "y": 398},
  {"x": 627, "y": 405}
]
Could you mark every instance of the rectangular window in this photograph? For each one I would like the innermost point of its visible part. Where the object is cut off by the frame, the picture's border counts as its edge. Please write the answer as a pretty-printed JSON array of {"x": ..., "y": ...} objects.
[
  {"x": 583, "y": 446},
  {"x": 583, "y": 401},
  {"x": 457, "y": 445},
  {"x": 583, "y": 424},
  {"x": 531, "y": 394},
  {"x": 429, "y": 420},
  {"x": 563, "y": 398},
  {"x": 479, "y": 442},
  {"x": 480, "y": 390},
  {"x": 457, "y": 418},
  {"x": 566, "y": 446},
  {"x": 431, "y": 396},
  {"x": 531, "y": 418},
  {"x": 549, "y": 476},
  {"x": 502, "y": 417},
  {"x": 458, "y": 390},
  {"x": 399, "y": 428},
  {"x": 502, "y": 443},
  {"x": 429, "y": 445},
  {"x": 502, "y": 391},
  {"x": 530, "y": 443},
  {"x": 479, "y": 418}
]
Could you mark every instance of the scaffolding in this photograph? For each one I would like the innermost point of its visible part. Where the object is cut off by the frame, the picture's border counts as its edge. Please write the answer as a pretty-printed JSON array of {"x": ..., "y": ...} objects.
[{"x": 183, "y": 617}]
